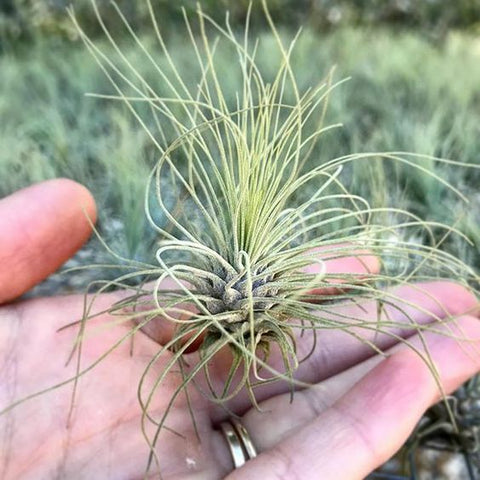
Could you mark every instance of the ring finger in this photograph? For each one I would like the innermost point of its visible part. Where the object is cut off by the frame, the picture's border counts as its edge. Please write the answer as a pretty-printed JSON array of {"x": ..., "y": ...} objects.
[{"x": 363, "y": 414}]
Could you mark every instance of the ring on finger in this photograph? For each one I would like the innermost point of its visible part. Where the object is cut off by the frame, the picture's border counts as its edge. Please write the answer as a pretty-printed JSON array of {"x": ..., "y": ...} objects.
[{"x": 238, "y": 441}]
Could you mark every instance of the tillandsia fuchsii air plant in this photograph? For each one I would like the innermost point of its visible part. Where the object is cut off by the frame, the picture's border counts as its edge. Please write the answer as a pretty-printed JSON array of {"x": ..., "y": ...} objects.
[{"x": 243, "y": 206}]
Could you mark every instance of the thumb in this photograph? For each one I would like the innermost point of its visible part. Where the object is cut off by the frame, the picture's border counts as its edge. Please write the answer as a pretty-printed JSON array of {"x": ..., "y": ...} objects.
[{"x": 41, "y": 227}]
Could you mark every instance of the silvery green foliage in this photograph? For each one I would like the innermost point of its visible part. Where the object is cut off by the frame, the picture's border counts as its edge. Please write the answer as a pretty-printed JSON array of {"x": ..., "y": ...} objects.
[{"x": 241, "y": 245}]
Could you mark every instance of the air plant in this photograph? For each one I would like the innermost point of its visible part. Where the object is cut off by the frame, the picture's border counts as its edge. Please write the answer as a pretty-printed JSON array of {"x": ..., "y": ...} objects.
[{"x": 243, "y": 203}]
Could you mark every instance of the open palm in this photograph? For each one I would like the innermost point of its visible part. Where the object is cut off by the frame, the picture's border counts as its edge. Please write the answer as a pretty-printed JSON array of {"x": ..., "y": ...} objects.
[{"x": 358, "y": 413}]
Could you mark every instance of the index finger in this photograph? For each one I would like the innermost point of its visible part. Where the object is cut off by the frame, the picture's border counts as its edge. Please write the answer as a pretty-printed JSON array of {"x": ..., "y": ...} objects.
[
  {"x": 344, "y": 260},
  {"x": 339, "y": 259}
]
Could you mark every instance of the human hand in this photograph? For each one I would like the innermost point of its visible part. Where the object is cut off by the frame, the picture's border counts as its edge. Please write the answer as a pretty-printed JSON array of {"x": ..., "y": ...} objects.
[{"x": 358, "y": 413}]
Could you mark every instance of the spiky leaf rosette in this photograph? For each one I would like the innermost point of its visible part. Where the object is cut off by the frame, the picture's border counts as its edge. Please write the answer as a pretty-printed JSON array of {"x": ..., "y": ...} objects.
[{"x": 250, "y": 213}]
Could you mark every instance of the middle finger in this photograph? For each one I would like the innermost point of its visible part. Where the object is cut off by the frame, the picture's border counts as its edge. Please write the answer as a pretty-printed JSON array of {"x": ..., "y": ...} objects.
[{"x": 411, "y": 308}]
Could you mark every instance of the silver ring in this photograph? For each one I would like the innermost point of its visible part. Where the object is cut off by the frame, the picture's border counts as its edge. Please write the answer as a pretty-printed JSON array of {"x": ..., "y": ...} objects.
[{"x": 239, "y": 442}]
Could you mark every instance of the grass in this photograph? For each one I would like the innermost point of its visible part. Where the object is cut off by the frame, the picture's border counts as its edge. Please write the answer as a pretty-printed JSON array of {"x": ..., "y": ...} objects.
[{"x": 404, "y": 94}]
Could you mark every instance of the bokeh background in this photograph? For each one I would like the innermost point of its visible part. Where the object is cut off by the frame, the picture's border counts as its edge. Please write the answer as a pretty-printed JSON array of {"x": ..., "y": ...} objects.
[{"x": 415, "y": 86}]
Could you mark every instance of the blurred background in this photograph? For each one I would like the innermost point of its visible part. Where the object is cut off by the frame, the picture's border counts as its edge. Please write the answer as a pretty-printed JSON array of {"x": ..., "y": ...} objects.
[{"x": 415, "y": 86}]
